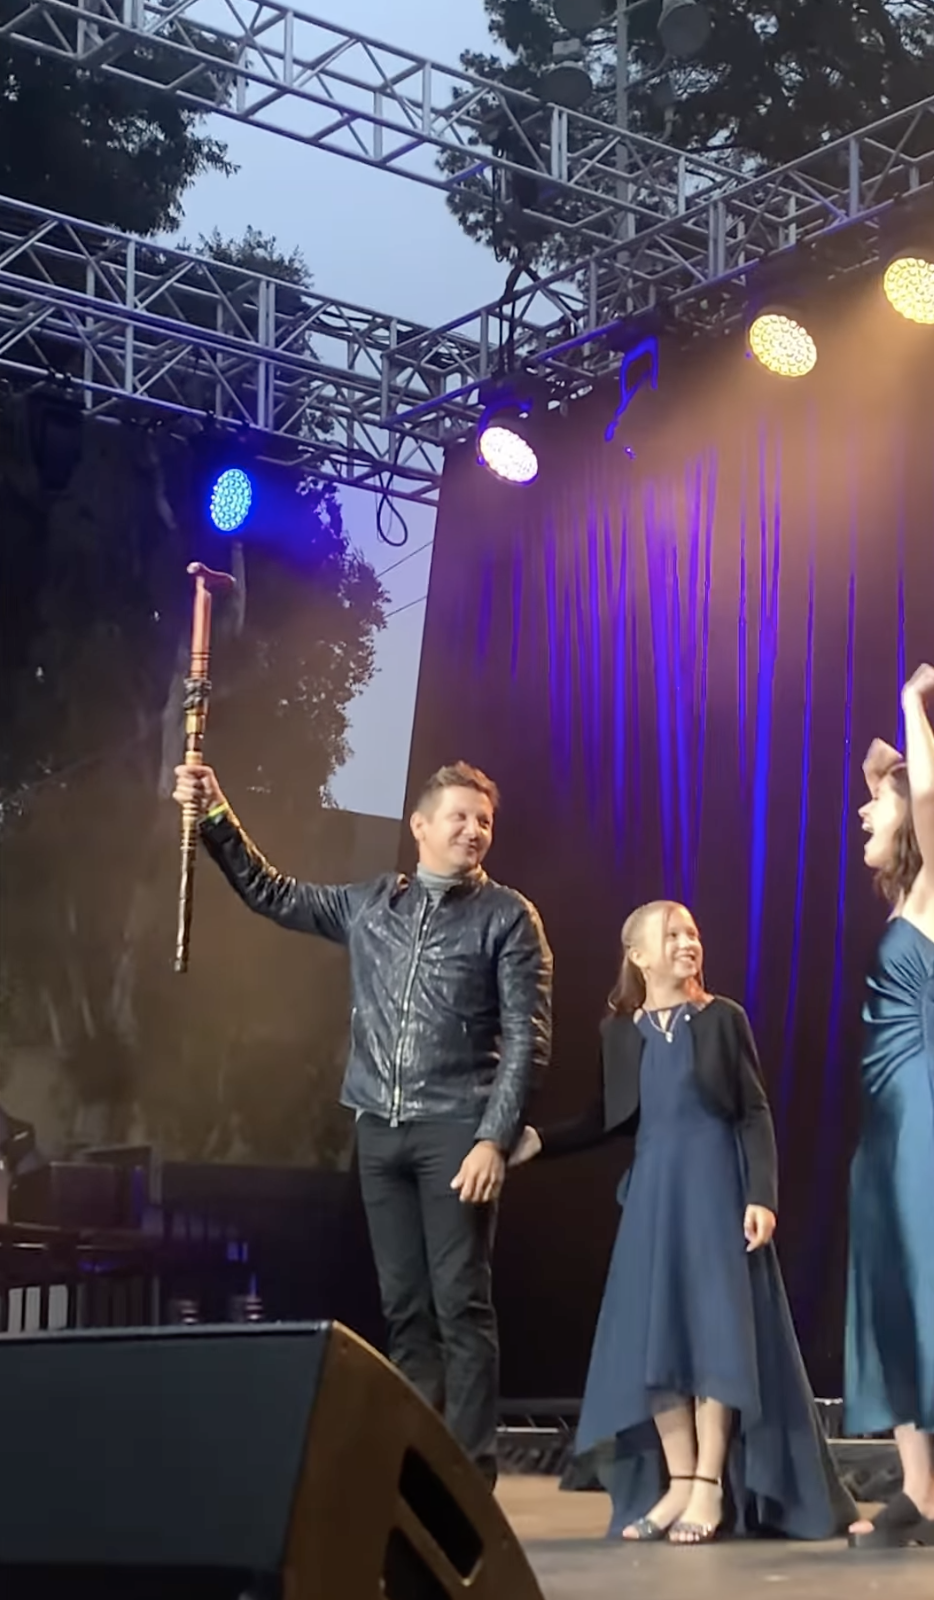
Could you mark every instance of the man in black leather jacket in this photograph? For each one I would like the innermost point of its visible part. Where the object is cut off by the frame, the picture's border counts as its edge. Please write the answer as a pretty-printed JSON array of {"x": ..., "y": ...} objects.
[{"x": 451, "y": 1022}]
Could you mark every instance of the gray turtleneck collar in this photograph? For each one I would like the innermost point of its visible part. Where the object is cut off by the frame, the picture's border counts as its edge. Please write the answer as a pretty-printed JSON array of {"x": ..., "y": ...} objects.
[{"x": 437, "y": 884}]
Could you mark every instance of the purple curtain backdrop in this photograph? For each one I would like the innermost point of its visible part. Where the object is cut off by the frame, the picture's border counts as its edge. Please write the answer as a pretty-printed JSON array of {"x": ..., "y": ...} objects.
[{"x": 673, "y": 665}]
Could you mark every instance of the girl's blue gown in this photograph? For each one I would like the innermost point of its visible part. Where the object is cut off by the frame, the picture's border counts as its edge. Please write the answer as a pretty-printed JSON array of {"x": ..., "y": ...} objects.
[{"x": 687, "y": 1312}]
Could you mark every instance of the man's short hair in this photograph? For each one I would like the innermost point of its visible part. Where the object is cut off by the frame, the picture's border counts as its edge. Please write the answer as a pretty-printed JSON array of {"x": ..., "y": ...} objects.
[{"x": 459, "y": 775}]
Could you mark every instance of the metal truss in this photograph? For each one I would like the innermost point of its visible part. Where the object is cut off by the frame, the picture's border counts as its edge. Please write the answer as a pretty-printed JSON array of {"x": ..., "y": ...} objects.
[
  {"x": 696, "y": 265},
  {"x": 326, "y": 87},
  {"x": 138, "y": 329},
  {"x": 138, "y": 325},
  {"x": 143, "y": 326}
]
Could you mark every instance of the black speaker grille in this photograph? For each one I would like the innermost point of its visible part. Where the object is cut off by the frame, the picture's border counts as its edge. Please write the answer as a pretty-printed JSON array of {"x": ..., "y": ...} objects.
[
  {"x": 161, "y": 1448},
  {"x": 439, "y": 1514},
  {"x": 406, "y": 1575}
]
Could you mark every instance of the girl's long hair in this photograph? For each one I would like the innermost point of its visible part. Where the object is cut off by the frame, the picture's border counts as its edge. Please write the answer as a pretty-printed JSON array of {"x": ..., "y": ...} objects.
[
  {"x": 627, "y": 995},
  {"x": 896, "y": 878}
]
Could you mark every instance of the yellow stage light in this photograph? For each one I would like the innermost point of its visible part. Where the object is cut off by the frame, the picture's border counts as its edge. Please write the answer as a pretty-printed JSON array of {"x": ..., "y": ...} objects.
[
  {"x": 909, "y": 286},
  {"x": 783, "y": 345}
]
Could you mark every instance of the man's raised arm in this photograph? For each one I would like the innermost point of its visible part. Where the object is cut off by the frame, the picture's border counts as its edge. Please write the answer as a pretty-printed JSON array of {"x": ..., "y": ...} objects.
[{"x": 326, "y": 910}]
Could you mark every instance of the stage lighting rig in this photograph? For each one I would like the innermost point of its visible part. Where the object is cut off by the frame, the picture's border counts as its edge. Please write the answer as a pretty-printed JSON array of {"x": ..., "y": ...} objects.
[
  {"x": 503, "y": 446},
  {"x": 225, "y": 485},
  {"x": 906, "y": 255},
  {"x": 504, "y": 433},
  {"x": 239, "y": 492},
  {"x": 683, "y": 30},
  {"x": 582, "y": 16},
  {"x": 777, "y": 332},
  {"x": 908, "y": 282},
  {"x": 231, "y": 500},
  {"x": 683, "y": 25},
  {"x": 781, "y": 343}
]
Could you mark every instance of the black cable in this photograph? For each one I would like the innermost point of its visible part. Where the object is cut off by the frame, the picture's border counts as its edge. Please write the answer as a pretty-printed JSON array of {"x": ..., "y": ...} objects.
[
  {"x": 507, "y": 349},
  {"x": 403, "y": 559},
  {"x": 384, "y": 504},
  {"x": 406, "y": 607}
]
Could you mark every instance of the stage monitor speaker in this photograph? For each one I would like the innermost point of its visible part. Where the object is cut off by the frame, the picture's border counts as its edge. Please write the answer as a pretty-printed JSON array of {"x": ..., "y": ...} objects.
[{"x": 236, "y": 1463}]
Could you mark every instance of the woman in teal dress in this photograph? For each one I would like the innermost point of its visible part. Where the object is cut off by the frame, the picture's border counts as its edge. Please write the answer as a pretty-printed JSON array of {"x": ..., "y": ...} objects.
[{"x": 890, "y": 1292}]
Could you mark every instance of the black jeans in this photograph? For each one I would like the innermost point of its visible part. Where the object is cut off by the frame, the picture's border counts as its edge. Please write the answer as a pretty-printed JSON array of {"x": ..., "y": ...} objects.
[{"x": 433, "y": 1256}]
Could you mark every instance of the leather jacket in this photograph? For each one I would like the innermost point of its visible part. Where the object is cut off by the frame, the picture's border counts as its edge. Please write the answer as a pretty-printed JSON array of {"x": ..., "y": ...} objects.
[{"x": 451, "y": 999}]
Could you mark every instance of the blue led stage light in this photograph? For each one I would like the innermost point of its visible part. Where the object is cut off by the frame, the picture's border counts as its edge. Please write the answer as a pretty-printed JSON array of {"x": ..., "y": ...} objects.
[{"x": 230, "y": 500}]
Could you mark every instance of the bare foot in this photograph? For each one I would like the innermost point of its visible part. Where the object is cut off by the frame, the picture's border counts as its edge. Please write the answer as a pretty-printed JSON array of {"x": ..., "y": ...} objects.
[
  {"x": 704, "y": 1511},
  {"x": 923, "y": 1498},
  {"x": 863, "y": 1526},
  {"x": 667, "y": 1510}
]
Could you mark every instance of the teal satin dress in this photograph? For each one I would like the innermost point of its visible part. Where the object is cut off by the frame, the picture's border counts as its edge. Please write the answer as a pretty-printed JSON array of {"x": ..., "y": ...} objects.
[{"x": 890, "y": 1291}]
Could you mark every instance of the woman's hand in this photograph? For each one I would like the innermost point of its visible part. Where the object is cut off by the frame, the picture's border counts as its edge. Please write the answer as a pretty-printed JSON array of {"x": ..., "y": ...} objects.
[
  {"x": 758, "y": 1226},
  {"x": 527, "y": 1148},
  {"x": 920, "y": 685},
  {"x": 879, "y": 762}
]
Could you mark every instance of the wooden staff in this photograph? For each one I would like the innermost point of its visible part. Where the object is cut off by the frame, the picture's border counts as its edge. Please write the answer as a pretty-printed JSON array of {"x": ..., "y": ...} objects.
[{"x": 197, "y": 697}]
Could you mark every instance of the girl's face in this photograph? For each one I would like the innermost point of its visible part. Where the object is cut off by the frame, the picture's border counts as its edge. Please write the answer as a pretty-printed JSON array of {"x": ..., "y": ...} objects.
[
  {"x": 669, "y": 949},
  {"x": 881, "y": 819}
]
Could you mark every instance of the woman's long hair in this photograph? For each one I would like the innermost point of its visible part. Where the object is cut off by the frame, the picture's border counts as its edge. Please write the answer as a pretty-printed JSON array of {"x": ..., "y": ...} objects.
[
  {"x": 627, "y": 995},
  {"x": 897, "y": 877}
]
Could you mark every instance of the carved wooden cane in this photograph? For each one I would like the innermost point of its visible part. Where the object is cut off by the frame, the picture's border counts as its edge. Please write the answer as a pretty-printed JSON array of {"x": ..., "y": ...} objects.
[{"x": 197, "y": 697}]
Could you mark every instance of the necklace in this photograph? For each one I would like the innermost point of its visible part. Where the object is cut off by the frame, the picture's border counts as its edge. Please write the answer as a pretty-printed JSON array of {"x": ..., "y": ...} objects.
[{"x": 667, "y": 1033}]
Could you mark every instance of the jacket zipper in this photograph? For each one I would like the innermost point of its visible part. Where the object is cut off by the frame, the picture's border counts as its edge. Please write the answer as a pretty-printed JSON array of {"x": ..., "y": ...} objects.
[{"x": 396, "y": 1105}]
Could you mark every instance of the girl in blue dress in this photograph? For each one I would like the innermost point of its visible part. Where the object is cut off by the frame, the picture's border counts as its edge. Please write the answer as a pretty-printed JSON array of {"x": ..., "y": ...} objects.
[
  {"x": 890, "y": 1299},
  {"x": 695, "y": 1371}
]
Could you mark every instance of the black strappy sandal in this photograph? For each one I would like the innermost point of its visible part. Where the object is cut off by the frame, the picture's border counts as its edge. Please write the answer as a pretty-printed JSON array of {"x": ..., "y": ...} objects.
[
  {"x": 645, "y": 1531},
  {"x": 695, "y": 1533},
  {"x": 898, "y": 1524}
]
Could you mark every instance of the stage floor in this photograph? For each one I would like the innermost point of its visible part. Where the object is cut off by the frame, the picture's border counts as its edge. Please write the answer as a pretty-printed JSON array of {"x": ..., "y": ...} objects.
[{"x": 563, "y": 1536}]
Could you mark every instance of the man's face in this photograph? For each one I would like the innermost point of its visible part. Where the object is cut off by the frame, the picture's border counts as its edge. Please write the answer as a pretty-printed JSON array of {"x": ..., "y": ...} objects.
[{"x": 455, "y": 832}]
